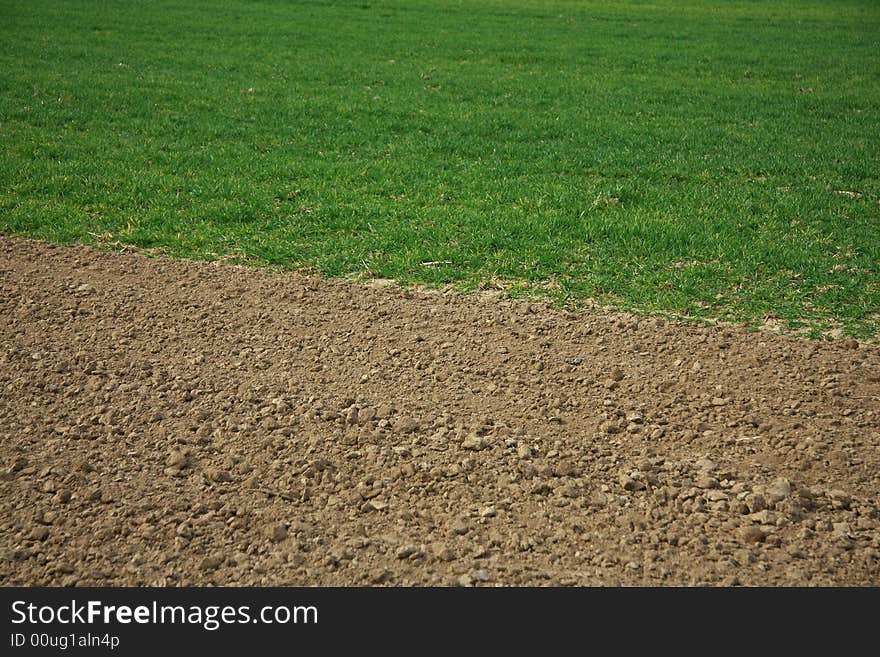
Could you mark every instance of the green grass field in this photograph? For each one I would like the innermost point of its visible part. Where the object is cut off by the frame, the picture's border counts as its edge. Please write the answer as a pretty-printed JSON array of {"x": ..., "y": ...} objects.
[{"x": 705, "y": 158}]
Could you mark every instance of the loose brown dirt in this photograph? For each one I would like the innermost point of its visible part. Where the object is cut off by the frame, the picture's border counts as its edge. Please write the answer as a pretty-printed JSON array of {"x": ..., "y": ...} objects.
[{"x": 177, "y": 423}]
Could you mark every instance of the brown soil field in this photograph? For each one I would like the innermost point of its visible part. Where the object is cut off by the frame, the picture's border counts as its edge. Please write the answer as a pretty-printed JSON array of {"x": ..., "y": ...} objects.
[{"x": 167, "y": 422}]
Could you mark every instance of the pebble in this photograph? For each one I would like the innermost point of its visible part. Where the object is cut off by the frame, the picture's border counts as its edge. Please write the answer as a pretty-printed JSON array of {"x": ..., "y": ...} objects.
[
  {"x": 465, "y": 580},
  {"x": 488, "y": 512}
]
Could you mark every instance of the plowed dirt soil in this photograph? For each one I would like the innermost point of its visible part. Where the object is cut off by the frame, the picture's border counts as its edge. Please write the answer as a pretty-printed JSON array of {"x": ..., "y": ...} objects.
[{"x": 165, "y": 422}]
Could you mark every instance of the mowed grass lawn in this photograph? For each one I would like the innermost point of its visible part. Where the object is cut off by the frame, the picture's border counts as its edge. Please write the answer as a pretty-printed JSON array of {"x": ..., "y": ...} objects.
[{"x": 705, "y": 158}]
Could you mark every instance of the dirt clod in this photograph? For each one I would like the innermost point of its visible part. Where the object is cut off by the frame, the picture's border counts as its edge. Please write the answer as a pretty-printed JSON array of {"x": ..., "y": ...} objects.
[
  {"x": 276, "y": 532},
  {"x": 217, "y": 475},
  {"x": 211, "y": 563},
  {"x": 751, "y": 534},
  {"x": 473, "y": 442},
  {"x": 39, "y": 534},
  {"x": 406, "y": 551},
  {"x": 779, "y": 490}
]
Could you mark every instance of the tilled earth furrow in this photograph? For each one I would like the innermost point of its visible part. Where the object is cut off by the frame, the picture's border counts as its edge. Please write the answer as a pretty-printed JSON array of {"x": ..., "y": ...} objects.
[{"x": 165, "y": 422}]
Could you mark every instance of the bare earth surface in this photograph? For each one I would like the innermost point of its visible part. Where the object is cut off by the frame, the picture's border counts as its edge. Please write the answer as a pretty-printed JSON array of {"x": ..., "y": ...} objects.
[{"x": 175, "y": 423}]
